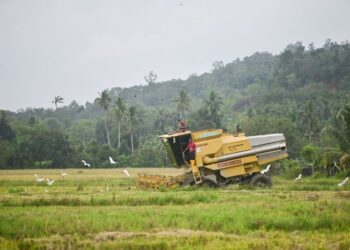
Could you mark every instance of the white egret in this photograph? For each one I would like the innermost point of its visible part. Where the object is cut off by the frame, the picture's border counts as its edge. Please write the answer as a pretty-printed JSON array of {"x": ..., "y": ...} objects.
[
  {"x": 112, "y": 161},
  {"x": 298, "y": 178},
  {"x": 125, "y": 171},
  {"x": 336, "y": 165},
  {"x": 266, "y": 169},
  {"x": 38, "y": 178},
  {"x": 343, "y": 182},
  {"x": 86, "y": 163},
  {"x": 49, "y": 182}
]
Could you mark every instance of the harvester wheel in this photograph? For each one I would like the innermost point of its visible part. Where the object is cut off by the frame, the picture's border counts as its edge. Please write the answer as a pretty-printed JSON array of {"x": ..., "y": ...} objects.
[
  {"x": 261, "y": 180},
  {"x": 214, "y": 180}
]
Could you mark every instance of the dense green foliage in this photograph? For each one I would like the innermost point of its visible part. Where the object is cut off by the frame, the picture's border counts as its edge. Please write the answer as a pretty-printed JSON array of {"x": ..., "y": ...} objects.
[{"x": 301, "y": 92}]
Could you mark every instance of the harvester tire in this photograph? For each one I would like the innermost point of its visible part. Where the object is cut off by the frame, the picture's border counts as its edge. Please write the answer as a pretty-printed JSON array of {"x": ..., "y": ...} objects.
[{"x": 261, "y": 180}]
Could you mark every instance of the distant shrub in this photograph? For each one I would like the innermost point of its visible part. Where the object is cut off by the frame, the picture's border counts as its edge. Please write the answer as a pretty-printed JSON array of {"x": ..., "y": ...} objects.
[
  {"x": 343, "y": 174},
  {"x": 318, "y": 175},
  {"x": 42, "y": 164},
  {"x": 311, "y": 154},
  {"x": 123, "y": 160},
  {"x": 290, "y": 168}
]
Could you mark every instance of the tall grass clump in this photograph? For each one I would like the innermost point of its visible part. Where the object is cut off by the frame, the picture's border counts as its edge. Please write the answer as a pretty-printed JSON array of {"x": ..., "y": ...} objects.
[
  {"x": 80, "y": 187},
  {"x": 16, "y": 190}
]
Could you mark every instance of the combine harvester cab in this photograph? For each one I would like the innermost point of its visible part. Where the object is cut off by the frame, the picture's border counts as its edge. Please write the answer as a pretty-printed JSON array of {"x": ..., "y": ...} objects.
[{"x": 223, "y": 158}]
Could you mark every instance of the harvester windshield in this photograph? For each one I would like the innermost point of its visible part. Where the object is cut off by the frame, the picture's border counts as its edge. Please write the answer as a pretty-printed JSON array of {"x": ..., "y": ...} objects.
[{"x": 175, "y": 144}]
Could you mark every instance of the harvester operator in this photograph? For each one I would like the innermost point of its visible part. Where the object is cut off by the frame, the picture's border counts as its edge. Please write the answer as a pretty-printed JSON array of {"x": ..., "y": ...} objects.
[
  {"x": 191, "y": 147},
  {"x": 181, "y": 125}
]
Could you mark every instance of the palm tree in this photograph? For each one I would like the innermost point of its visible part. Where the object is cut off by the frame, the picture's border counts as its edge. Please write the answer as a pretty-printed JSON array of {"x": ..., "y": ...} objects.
[
  {"x": 120, "y": 111},
  {"x": 213, "y": 105},
  {"x": 308, "y": 116},
  {"x": 132, "y": 123},
  {"x": 140, "y": 120},
  {"x": 104, "y": 100},
  {"x": 56, "y": 100},
  {"x": 341, "y": 128},
  {"x": 182, "y": 103},
  {"x": 341, "y": 132},
  {"x": 160, "y": 121}
]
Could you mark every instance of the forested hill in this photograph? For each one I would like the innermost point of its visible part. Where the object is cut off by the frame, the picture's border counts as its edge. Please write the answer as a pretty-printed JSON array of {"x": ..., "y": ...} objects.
[
  {"x": 227, "y": 80},
  {"x": 301, "y": 92}
]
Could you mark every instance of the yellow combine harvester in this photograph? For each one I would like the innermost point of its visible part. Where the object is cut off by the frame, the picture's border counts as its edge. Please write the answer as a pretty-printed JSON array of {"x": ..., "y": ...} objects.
[{"x": 220, "y": 159}]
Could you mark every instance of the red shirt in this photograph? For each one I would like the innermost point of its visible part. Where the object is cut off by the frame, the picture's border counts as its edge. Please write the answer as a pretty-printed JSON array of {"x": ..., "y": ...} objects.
[{"x": 191, "y": 147}]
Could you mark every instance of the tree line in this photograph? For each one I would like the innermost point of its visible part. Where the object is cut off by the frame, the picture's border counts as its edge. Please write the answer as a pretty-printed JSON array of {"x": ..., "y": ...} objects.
[{"x": 302, "y": 92}]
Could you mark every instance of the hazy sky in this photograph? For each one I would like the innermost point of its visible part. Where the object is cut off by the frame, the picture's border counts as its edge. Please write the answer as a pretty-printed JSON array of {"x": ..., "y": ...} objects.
[{"x": 76, "y": 48}]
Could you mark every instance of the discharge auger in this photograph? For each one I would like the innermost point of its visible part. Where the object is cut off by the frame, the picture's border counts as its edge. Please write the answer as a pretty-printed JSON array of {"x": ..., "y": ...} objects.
[{"x": 220, "y": 158}]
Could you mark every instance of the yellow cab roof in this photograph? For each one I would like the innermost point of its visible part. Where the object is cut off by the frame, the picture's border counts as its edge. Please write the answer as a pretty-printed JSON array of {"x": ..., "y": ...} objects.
[
  {"x": 175, "y": 134},
  {"x": 197, "y": 135}
]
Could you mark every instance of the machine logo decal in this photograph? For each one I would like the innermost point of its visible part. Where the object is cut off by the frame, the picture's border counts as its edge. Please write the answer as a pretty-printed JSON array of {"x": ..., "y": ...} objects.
[
  {"x": 229, "y": 163},
  {"x": 234, "y": 147}
]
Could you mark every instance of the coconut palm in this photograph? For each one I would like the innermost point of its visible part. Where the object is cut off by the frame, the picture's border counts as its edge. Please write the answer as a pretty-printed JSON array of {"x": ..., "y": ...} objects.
[
  {"x": 120, "y": 111},
  {"x": 104, "y": 100},
  {"x": 341, "y": 128},
  {"x": 213, "y": 105},
  {"x": 56, "y": 100},
  {"x": 341, "y": 132},
  {"x": 160, "y": 121},
  {"x": 140, "y": 120},
  {"x": 182, "y": 103},
  {"x": 308, "y": 115},
  {"x": 132, "y": 123}
]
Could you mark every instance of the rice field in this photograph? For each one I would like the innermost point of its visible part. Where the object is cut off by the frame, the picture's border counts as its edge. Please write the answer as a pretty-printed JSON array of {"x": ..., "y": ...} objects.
[{"x": 103, "y": 209}]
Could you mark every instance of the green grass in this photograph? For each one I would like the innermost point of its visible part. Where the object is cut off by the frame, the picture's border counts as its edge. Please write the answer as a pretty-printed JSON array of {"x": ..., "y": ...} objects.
[{"x": 105, "y": 210}]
